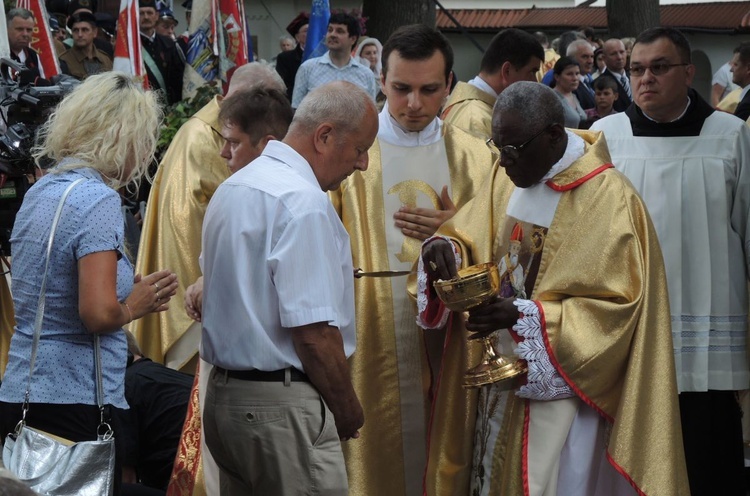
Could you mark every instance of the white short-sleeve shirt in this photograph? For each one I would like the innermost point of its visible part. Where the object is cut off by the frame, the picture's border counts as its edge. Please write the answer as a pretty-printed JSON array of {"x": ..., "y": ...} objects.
[{"x": 275, "y": 256}]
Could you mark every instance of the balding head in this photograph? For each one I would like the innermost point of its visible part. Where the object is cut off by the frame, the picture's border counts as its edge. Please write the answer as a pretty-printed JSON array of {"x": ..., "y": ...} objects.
[
  {"x": 527, "y": 126},
  {"x": 583, "y": 53},
  {"x": 615, "y": 55},
  {"x": 537, "y": 103},
  {"x": 340, "y": 103},
  {"x": 333, "y": 128},
  {"x": 255, "y": 75}
]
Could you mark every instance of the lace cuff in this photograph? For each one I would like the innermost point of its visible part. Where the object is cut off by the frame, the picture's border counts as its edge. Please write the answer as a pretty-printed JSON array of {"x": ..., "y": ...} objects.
[
  {"x": 431, "y": 313},
  {"x": 543, "y": 381}
]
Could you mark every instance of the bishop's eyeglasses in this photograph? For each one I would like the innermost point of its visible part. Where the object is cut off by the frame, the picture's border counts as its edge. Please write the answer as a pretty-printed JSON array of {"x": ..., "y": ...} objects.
[{"x": 512, "y": 151}]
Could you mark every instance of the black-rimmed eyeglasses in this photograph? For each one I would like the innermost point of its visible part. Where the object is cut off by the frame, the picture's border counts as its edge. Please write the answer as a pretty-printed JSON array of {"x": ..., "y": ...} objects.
[
  {"x": 513, "y": 151},
  {"x": 656, "y": 69}
]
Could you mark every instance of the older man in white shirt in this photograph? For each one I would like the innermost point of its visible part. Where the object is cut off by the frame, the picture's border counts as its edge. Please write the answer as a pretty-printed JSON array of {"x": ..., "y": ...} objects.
[{"x": 278, "y": 309}]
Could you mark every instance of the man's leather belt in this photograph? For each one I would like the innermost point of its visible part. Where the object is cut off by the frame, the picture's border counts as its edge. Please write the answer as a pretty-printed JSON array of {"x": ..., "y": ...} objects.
[{"x": 263, "y": 376}]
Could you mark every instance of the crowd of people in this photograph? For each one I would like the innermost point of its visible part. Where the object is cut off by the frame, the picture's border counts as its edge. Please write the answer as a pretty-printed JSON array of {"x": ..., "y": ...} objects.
[
  {"x": 294, "y": 230},
  {"x": 86, "y": 47}
]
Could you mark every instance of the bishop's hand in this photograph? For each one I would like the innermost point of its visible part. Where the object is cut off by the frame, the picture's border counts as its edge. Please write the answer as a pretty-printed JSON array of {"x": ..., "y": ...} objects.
[{"x": 499, "y": 313}]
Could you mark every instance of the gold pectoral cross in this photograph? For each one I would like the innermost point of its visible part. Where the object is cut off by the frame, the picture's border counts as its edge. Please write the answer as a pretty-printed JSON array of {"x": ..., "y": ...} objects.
[{"x": 408, "y": 192}]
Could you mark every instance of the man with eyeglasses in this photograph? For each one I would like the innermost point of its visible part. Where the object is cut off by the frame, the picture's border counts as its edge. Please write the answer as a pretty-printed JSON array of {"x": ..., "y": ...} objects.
[
  {"x": 420, "y": 169},
  {"x": 689, "y": 164},
  {"x": 597, "y": 413}
]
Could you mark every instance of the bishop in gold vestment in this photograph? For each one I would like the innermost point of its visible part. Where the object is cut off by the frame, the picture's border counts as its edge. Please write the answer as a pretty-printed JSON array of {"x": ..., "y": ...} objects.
[{"x": 595, "y": 310}]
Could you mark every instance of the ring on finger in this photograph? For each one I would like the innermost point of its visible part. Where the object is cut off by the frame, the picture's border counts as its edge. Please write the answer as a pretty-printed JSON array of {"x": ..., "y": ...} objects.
[
  {"x": 157, "y": 296},
  {"x": 433, "y": 265},
  {"x": 157, "y": 286}
]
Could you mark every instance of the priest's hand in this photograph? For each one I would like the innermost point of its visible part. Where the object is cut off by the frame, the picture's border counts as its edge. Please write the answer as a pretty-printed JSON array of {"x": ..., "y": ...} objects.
[
  {"x": 500, "y": 313},
  {"x": 421, "y": 223},
  {"x": 439, "y": 260}
]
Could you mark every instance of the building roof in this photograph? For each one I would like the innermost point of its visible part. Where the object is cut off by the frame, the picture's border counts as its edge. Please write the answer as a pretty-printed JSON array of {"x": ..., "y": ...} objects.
[{"x": 710, "y": 16}]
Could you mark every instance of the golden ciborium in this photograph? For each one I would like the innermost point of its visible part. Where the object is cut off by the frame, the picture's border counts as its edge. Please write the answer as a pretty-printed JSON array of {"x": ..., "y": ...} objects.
[{"x": 473, "y": 287}]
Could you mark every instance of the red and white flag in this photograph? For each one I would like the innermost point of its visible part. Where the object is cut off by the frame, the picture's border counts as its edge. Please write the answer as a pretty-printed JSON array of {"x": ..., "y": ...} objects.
[
  {"x": 41, "y": 40},
  {"x": 128, "y": 57},
  {"x": 233, "y": 37}
]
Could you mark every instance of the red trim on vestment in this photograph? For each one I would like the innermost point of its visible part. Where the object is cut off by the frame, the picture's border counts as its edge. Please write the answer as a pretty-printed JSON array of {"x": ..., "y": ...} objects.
[
  {"x": 434, "y": 402},
  {"x": 575, "y": 184},
  {"x": 580, "y": 394},
  {"x": 525, "y": 449},
  {"x": 624, "y": 474},
  {"x": 553, "y": 359}
]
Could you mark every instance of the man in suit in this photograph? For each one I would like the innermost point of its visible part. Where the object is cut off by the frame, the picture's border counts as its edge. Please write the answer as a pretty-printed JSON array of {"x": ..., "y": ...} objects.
[
  {"x": 583, "y": 53},
  {"x": 287, "y": 63},
  {"x": 615, "y": 58},
  {"x": 20, "y": 29},
  {"x": 740, "y": 68}
]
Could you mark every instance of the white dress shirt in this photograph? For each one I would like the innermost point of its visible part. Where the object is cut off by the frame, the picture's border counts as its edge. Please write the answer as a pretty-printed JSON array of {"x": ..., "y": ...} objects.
[{"x": 275, "y": 256}]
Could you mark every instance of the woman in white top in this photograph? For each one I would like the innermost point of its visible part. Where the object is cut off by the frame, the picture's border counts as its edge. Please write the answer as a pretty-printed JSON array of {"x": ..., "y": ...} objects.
[
  {"x": 368, "y": 53},
  {"x": 567, "y": 74}
]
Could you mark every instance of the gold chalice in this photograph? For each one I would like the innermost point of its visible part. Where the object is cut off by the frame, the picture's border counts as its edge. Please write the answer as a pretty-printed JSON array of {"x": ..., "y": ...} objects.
[{"x": 475, "y": 286}]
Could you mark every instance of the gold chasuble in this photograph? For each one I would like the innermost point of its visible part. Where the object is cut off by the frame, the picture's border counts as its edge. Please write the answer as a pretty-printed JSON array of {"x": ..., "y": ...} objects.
[
  {"x": 7, "y": 318},
  {"x": 583, "y": 250},
  {"x": 188, "y": 175},
  {"x": 389, "y": 370},
  {"x": 470, "y": 109}
]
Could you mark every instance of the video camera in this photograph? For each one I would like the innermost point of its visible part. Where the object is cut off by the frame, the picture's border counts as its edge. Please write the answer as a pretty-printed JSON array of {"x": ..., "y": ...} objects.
[{"x": 25, "y": 103}]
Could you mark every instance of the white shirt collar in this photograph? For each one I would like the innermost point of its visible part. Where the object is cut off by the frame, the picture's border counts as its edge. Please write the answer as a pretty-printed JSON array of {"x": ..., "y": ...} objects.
[
  {"x": 574, "y": 151},
  {"x": 391, "y": 131},
  {"x": 289, "y": 156},
  {"x": 481, "y": 84},
  {"x": 326, "y": 59},
  {"x": 673, "y": 120}
]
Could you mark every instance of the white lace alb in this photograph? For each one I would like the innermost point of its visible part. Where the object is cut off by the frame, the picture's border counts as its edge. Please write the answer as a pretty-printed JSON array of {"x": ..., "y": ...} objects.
[{"x": 543, "y": 381}]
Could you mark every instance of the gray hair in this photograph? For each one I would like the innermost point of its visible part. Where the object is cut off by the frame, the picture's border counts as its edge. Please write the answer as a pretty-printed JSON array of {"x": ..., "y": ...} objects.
[
  {"x": 340, "y": 103},
  {"x": 256, "y": 75},
  {"x": 18, "y": 12},
  {"x": 286, "y": 37},
  {"x": 575, "y": 45},
  {"x": 537, "y": 103}
]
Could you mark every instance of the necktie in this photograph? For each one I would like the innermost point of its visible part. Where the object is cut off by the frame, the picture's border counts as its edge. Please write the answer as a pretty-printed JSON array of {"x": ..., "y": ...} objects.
[{"x": 626, "y": 85}]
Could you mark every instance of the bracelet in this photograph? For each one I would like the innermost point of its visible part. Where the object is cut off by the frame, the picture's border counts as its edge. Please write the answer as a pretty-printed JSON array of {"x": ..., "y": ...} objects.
[{"x": 130, "y": 314}]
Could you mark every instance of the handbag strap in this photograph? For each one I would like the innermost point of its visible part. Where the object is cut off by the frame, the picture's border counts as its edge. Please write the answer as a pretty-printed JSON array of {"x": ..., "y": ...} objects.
[{"x": 40, "y": 309}]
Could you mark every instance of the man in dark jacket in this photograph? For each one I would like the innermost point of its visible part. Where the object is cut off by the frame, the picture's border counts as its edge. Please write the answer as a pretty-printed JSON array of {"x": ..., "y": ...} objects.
[
  {"x": 161, "y": 55},
  {"x": 287, "y": 63}
]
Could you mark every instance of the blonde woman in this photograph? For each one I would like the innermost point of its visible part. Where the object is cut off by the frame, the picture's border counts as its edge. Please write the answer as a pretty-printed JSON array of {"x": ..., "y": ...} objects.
[{"x": 105, "y": 132}]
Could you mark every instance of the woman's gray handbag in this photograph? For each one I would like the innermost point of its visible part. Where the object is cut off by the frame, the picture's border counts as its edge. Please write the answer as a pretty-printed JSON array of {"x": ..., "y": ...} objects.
[{"x": 51, "y": 465}]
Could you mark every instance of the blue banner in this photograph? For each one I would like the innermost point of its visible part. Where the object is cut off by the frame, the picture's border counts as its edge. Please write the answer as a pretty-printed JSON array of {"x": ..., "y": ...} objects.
[{"x": 317, "y": 29}]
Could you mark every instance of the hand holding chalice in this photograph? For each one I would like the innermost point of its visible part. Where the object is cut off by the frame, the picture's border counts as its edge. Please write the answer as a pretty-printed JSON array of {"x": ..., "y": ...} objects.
[{"x": 475, "y": 289}]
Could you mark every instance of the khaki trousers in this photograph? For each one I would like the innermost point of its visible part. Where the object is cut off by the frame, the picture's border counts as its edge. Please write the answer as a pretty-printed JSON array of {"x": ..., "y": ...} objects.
[{"x": 272, "y": 438}]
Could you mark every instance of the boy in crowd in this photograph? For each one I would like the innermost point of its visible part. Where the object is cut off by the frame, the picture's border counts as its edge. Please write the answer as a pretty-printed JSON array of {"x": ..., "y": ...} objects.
[{"x": 605, "y": 90}]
